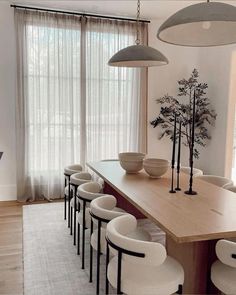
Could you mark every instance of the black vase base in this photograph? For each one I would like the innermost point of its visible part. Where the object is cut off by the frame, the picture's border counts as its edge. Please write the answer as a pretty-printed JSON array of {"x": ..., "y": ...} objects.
[
  {"x": 192, "y": 193},
  {"x": 172, "y": 191},
  {"x": 178, "y": 189}
]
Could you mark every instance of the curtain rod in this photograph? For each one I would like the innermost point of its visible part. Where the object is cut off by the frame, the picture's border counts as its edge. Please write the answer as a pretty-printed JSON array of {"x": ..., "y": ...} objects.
[{"x": 77, "y": 13}]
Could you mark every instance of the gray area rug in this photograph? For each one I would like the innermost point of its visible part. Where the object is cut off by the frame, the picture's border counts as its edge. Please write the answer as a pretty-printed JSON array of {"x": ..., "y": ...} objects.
[{"x": 51, "y": 265}]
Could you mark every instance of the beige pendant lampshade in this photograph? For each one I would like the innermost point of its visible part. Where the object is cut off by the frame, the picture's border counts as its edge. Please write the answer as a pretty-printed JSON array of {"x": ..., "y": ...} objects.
[
  {"x": 138, "y": 56},
  {"x": 201, "y": 25}
]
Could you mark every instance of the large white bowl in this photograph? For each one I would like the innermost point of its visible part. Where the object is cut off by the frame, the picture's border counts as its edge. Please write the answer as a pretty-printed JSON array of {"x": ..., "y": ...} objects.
[
  {"x": 155, "y": 168},
  {"x": 131, "y": 162}
]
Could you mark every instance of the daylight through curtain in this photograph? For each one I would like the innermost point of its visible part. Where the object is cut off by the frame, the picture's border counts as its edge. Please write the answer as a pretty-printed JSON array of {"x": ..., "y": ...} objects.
[{"x": 71, "y": 106}]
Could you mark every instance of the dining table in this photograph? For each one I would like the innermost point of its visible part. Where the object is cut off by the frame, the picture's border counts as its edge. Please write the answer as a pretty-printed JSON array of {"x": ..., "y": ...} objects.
[{"x": 193, "y": 224}]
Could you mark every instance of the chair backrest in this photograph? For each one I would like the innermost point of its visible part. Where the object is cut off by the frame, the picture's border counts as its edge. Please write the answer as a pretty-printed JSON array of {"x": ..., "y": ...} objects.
[
  {"x": 90, "y": 190},
  {"x": 226, "y": 252},
  {"x": 196, "y": 172},
  {"x": 80, "y": 178},
  {"x": 71, "y": 169},
  {"x": 217, "y": 180},
  {"x": 231, "y": 188},
  {"x": 117, "y": 231},
  {"x": 103, "y": 206}
]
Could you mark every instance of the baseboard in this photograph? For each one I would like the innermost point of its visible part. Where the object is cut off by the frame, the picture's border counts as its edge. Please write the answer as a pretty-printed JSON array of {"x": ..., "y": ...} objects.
[{"x": 7, "y": 192}]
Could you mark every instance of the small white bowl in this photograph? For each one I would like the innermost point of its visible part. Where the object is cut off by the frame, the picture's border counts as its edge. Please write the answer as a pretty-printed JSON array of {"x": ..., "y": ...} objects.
[
  {"x": 131, "y": 162},
  {"x": 155, "y": 168}
]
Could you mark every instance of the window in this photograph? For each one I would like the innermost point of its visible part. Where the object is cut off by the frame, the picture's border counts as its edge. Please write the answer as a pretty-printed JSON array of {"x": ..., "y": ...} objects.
[{"x": 76, "y": 108}]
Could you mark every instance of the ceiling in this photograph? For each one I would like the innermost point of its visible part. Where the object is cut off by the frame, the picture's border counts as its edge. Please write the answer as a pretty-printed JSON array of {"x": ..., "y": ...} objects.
[{"x": 150, "y": 9}]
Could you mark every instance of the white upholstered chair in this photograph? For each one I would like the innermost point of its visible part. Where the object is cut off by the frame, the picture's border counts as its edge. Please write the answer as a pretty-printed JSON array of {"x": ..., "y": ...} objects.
[
  {"x": 196, "y": 172},
  {"x": 216, "y": 180},
  {"x": 103, "y": 210},
  {"x": 140, "y": 267},
  {"x": 86, "y": 192},
  {"x": 223, "y": 271},
  {"x": 68, "y": 171},
  {"x": 231, "y": 188},
  {"x": 75, "y": 181}
]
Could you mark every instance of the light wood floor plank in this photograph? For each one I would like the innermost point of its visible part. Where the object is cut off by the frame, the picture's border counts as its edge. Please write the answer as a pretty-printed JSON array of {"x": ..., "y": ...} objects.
[
  {"x": 11, "y": 247},
  {"x": 11, "y": 256}
]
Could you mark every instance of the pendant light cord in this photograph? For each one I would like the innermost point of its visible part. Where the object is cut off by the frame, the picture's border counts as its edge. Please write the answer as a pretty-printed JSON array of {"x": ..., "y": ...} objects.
[{"x": 138, "y": 23}]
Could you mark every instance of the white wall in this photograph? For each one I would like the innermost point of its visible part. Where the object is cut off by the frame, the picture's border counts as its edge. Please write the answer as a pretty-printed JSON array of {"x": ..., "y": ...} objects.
[
  {"x": 7, "y": 98},
  {"x": 163, "y": 80},
  {"x": 217, "y": 67}
]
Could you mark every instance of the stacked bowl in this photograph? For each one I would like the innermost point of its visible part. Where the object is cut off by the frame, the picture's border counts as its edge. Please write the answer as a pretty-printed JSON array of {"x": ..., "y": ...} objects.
[
  {"x": 131, "y": 162},
  {"x": 155, "y": 168}
]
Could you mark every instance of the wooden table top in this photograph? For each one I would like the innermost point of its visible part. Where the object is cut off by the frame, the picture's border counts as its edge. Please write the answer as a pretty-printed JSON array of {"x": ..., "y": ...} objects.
[{"x": 209, "y": 215}]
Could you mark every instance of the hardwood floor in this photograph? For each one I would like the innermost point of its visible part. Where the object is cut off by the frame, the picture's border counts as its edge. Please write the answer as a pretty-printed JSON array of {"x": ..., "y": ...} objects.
[
  {"x": 11, "y": 247},
  {"x": 11, "y": 258}
]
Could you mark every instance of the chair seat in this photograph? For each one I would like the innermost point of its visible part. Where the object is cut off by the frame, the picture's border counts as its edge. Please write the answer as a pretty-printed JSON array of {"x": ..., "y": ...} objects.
[
  {"x": 224, "y": 277},
  {"x": 67, "y": 190},
  {"x": 72, "y": 203},
  {"x": 104, "y": 224},
  {"x": 103, "y": 240},
  {"x": 142, "y": 279},
  {"x": 69, "y": 170},
  {"x": 157, "y": 235},
  {"x": 87, "y": 218},
  {"x": 138, "y": 234}
]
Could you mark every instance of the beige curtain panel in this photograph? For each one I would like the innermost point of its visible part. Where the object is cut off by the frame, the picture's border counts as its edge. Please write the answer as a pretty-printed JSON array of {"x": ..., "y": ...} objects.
[{"x": 71, "y": 107}]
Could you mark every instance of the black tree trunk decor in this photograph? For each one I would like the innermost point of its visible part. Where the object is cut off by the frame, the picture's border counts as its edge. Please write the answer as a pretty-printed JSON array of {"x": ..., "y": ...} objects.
[{"x": 204, "y": 117}]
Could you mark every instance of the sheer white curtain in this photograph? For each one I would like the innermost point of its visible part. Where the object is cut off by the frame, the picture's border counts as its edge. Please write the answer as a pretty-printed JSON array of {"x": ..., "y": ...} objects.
[
  {"x": 71, "y": 106},
  {"x": 112, "y": 94}
]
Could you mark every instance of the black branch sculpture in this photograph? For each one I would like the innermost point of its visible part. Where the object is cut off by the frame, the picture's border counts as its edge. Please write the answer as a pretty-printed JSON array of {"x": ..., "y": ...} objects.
[{"x": 182, "y": 106}]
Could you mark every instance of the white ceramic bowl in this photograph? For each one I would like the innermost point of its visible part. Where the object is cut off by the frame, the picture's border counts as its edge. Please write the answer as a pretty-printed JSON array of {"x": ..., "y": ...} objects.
[
  {"x": 131, "y": 162},
  {"x": 155, "y": 168}
]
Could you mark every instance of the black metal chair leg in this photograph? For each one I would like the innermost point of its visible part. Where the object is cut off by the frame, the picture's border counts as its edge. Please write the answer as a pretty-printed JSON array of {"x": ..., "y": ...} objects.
[
  {"x": 78, "y": 239},
  {"x": 65, "y": 207},
  {"x": 91, "y": 254},
  {"x": 107, "y": 262},
  {"x": 71, "y": 221},
  {"x": 65, "y": 199},
  {"x": 69, "y": 203},
  {"x": 119, "y": 273},
  {"x": 180, "y": 290},
  {"x": 98, "y": 255},
  {"x": 75, "y": 209},
  {"x": 83, "y": 235}
]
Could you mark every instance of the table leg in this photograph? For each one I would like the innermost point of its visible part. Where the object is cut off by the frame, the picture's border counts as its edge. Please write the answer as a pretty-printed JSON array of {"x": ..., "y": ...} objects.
[{"x": 196, "y": 259}]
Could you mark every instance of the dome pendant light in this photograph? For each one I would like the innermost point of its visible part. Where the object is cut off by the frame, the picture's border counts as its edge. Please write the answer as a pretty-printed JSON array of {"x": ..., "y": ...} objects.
[
  {"x": 201, "y": 25},
  {"x": 138, "y": 55}
]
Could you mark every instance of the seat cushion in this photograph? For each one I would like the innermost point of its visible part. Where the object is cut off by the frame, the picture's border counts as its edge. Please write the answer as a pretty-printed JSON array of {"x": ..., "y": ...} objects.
[
  {"x": 67, "y": 190},
  {"x": 72, "y": 202},
  {"x": 87, "y": 218},
  {"x": 104, "y": 224},
  {"x": 163, "y": 279},
  {"x": 69, "y": 170},
  {"x": 157, "y": 235},
  {"x": 138, "y": 234},
  {"x": 224, "y": 277},
  {"x": 102, "y": 240}
]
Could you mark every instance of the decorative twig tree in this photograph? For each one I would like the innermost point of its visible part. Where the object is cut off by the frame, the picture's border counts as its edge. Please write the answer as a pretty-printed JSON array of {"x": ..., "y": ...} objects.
[{"x": 204, "y": 115}]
